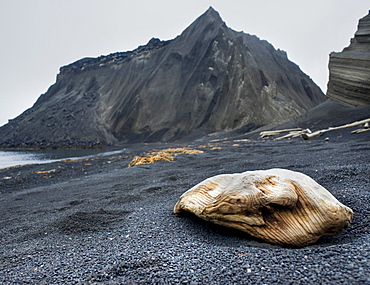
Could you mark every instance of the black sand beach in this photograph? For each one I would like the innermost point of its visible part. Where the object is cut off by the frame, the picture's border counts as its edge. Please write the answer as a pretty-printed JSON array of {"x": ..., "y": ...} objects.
[{"x": 99, "y": 222}]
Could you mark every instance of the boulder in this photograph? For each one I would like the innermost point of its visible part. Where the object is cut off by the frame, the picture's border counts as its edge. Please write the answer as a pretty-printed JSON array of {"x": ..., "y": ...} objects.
[{"x": 277, "y": 205}]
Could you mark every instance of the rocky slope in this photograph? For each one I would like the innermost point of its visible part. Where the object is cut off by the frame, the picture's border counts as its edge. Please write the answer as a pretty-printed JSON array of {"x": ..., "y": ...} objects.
[
  {"x": 210, "y": 78},
  {"x": 349, "y": 80}
]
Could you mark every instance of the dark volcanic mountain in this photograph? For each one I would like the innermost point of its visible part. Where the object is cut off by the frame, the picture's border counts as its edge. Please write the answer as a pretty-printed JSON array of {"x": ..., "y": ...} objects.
[
  {"x": 208, "y": 79},
  {"x": 349, "y": 80}
]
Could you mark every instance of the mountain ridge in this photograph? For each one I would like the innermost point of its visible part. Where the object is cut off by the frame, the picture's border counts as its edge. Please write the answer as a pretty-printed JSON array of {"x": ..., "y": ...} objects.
[{"x": 207, "y": 79}]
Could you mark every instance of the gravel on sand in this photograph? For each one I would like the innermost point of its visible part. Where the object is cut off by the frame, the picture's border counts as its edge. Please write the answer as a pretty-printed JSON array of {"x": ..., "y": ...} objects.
[{"x": 100, "y": 222}]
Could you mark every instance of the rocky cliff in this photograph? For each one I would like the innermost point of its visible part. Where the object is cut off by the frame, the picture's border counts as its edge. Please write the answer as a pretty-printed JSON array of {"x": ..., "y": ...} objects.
[
  {"x": 349, "y": 79},
  {"x": 208, "y": 79}
]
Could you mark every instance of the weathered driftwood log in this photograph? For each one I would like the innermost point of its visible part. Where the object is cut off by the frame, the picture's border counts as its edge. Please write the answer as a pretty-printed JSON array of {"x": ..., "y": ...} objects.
[
  {"x": 277, "y": 205},
  {"x": 294, "y": 134},
  {"x": 276, "y": 132},
  {"x": 307, "y": 136},
  {"x": 358, "y": 131},
  {"x": 365, "y": 128}
]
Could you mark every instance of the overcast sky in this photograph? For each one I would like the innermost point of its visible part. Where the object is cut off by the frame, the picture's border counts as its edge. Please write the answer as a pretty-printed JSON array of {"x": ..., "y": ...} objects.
[{"x": 40, "y": 36}]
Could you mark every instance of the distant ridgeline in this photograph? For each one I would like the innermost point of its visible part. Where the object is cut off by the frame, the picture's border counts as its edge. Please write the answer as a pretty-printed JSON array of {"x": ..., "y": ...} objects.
[
  {"x": 208, "y": 79},
  {"x": 90, "y": 63},
  {"x": 349, "y": 80}
]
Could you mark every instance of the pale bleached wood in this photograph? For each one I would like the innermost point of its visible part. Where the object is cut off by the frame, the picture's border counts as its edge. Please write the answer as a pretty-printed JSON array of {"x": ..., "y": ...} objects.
[
  {"x": 294, "y": 134},
  {"x": 307, "y": 134},
  {"x": 358, "y": 131},
  {"x": 276, "y": 132},
  {"x": 320, "y": 132},
  {"x": 276, "y": 205},
  {"x": 364, "y": 129}
]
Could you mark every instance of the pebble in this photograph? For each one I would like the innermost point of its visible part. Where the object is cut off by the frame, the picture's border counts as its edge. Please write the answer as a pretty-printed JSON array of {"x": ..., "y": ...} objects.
[{"x": 180, "y": 250}]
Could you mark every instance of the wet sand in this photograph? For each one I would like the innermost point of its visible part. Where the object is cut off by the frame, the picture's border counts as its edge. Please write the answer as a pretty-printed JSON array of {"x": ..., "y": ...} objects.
[{"x": 99, "y": 222}]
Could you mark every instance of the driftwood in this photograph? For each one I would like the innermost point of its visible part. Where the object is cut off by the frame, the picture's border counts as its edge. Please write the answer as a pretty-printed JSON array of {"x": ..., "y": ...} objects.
[
  {"x": 354, "y": 124},
  {"x": 360, "y": 131},
  {"x": 276, "y": 132},
  {"x": 294, "y": 134},
  {"x": 307, "y": 134},
  {"x": 366, "y": 128},
  {"x": 277, "y": 205}
]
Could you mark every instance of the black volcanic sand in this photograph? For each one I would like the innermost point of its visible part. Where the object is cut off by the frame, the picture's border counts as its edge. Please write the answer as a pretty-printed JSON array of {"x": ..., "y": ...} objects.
[{"x": 98, "y": 221}]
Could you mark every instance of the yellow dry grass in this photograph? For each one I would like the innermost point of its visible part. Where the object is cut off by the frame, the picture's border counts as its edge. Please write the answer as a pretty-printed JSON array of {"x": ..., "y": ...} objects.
[
  {"x": 202, "y": 146},
  {"x": 211, "y": 146},
  {"x": 45, "y": 171},
  {"x": 216, "y": 148},
  {"x": 167, "y": 154}
]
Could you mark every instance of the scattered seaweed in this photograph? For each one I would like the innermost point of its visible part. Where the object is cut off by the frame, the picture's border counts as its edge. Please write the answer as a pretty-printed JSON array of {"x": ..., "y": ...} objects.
[{"x": 167, "y": 154}]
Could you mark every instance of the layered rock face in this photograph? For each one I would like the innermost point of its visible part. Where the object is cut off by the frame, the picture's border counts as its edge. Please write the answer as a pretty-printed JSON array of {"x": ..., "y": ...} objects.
[
  {"x": 349, "y": 79},
  {"x": 208, "y": 79}
]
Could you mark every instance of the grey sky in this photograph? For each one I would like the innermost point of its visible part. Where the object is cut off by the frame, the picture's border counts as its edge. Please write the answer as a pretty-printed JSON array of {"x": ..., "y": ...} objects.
[{"x": 40, "y": 36}]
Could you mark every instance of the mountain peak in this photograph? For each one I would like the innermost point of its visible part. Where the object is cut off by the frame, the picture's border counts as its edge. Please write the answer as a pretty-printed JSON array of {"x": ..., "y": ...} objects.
[
  {"x": 206, "y": 80},
  {"x": 212, "y": 14},
  {"x": 210, "y": 20}
]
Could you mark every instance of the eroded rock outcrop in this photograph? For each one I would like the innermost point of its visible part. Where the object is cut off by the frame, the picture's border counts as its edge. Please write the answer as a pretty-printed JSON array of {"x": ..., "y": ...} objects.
[
  {"x": 208, "y": 79},
  {"x": 277, "y": 205},
  {"x": 349, "y": 79}
]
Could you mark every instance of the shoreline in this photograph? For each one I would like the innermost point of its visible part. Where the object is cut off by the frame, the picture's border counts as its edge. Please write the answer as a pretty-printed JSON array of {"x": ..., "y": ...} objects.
[
  {"x": 25, "y": 157},
  {"x": 100, "y": 222}
]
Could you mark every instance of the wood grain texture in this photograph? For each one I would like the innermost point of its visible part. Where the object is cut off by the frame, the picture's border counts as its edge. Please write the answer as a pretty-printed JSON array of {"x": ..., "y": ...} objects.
[{"x": 277, "y": 205}]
